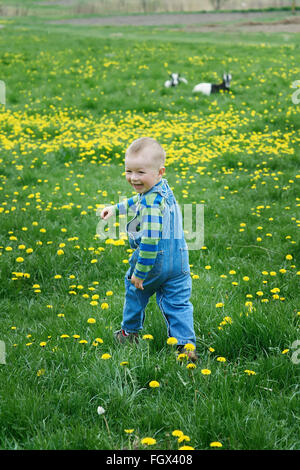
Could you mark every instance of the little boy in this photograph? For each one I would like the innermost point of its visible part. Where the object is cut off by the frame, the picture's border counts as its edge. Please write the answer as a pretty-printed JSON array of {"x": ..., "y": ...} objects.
[{"x": 160, "y": 262}]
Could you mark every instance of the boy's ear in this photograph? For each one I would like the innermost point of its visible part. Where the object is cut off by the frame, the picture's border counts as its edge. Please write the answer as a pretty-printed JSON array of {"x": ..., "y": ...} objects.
[{"x": 162, "y": 170}]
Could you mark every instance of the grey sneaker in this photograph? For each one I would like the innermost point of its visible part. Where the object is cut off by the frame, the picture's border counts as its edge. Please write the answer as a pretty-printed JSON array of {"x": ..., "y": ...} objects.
[{"x": 123, "y": 337}]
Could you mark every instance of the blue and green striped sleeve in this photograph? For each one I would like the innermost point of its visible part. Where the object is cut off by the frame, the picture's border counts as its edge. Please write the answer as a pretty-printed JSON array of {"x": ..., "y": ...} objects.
[
  {"x": 122, "y": 207},
  {"x": 151, "y": 227}
]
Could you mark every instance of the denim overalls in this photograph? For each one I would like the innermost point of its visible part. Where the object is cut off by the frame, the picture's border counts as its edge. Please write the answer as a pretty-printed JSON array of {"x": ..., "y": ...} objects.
[{"x": 169, "y": 278}]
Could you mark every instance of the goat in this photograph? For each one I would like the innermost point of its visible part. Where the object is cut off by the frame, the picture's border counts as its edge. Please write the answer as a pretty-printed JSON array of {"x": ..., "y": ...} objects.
[
  {"x": 175, "y": 79},
  {"x": 208, "y": 88}
]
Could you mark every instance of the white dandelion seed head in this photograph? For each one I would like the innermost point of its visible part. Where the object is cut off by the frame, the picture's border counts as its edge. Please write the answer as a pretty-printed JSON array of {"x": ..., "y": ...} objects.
[{"x": 100, "y": 410}]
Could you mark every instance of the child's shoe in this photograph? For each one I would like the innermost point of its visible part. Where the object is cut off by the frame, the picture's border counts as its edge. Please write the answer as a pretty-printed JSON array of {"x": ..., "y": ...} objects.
[
  {"x": 122, "y": 337},
  {"x": 191, "y": 353}
]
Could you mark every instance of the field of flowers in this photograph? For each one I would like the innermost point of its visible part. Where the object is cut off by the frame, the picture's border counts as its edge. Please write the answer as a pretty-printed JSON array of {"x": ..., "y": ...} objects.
[{"x": 75, "y": 99}]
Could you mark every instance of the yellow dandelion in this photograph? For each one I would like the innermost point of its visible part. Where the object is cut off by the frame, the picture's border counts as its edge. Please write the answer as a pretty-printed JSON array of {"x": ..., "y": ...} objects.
[
  {"x": 181, "y": 357},
  {"x": 191, "y": 366},
  {"x": 148, "y": 336},
  {"x": 189, "y": 347},
  {"x": 91, "y": 320},
  {"x": 154, "y": 384},
  {"x": 275, "y": 290},
  {"x": 148, "y": 441},
  {"x": 105, "y": 356},
  {"x": 221, "y": 359},
  {"x": 216, "y": 444},
  {"x": 205, "y": 371},
  {"x": 183, "y": 438},
  {"x": 186, "y": 448},
  {"x": 177, "y": 433},
  {"x": 172, "y": 341},
  {"x": 227, "y": 319},
  {"x": 99, "y": 340}
]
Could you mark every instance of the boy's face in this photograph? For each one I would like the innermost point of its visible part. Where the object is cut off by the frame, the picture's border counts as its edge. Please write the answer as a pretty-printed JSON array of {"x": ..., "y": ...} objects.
[{"x": 142, "y": 171}]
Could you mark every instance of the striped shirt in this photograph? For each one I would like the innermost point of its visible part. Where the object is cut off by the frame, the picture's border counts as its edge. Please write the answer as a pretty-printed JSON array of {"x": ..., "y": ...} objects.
[{"x": 146, "y": 225}]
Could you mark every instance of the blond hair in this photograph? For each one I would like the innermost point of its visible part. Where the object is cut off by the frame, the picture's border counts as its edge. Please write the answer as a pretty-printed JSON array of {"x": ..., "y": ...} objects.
[{"x": 158, "y": 153}]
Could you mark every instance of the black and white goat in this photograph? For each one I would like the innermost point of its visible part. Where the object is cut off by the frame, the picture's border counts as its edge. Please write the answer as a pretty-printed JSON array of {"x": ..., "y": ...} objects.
[
  {"x": 208, "y": 88},
  {"x": 175, "y": 79}
]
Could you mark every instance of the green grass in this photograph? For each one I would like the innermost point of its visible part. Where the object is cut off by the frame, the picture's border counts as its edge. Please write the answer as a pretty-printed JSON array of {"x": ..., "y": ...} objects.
[{"x": 76, "y": 97}]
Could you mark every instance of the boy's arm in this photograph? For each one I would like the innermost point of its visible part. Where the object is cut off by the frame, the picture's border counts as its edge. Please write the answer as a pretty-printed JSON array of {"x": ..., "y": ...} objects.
[
  {"x": 151, "y": 227},
  {"x": 121, "y": 207}
]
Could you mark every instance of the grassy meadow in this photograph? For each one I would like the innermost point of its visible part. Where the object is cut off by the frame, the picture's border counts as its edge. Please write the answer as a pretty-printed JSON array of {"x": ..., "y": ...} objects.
[{"x": 75, "y": 98}]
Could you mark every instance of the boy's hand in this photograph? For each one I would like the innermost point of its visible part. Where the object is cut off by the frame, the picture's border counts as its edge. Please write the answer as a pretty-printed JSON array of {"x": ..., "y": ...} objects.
[
  {"x": 138, "y": 283},
  {"x": 107, "y": 212}
]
